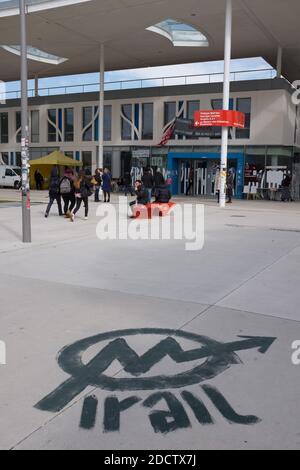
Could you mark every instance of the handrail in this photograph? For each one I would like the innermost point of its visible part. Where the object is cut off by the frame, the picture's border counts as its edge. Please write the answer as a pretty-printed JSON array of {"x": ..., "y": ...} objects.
[{"x": 140, "y": 83}]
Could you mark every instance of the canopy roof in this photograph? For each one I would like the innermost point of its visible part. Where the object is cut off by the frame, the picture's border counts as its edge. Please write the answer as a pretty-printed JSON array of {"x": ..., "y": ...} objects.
[
  {"x": 56, "y": 158},
  {"x": 74, "y": 30}
]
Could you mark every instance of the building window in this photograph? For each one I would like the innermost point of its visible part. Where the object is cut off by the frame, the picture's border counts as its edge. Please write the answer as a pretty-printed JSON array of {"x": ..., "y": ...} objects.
[
  {"x": 35, "y": 127},
  {"x": 244, "y": 105},
  {"x": 87, "y": 124},
  {"x": 52, "y": 125},
  {"x": 5, "y": 158},
  {"x": 69, "y": 125},
  {"x": 87, "y": 161},
  {"x": 107, "y": 123},
  {"x": 126, "y": 125},
  {"x": 170, "y": 112},
  {"x": 191, "y": 107},
  {"x": 216, "y": 106},
  {"x": 4, "y": 128},
  {"x": 147, "y": 123},
  {"x": 18, "y": 127}
]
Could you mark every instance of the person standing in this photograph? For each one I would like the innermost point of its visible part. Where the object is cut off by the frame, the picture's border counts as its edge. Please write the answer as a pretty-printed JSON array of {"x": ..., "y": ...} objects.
[
  {"x": 83, "y": 190},
  {"x": 163, "y": 194},
  {"x": 230, "y": 186},
  {"x": 158, "y": 178},
  {"x": 190, "y": 182},
  {"x": 218, "y": 183},
  {"x": 67, "y": 192},
  {"x": 98, "y": 180},
  {"x": 39, "y": 180},
  {"x": 106, "y": 185},
  {"x": 148, "y": 183},
  {"x": 54, "y": 192}
]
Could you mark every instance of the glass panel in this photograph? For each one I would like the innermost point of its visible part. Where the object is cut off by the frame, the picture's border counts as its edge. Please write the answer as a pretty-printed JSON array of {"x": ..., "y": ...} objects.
[
  {"x": 18, "y": 127},
  {"x": 244, "y": 105},
  {"x": 87, "y": 118},
  {"x": 180, "y": 34},
  {"x": 69, "y": 124},
  {"x": 147, "y": 128},
  {"x": 52, "y": 132},
  {"x": 107, "y": 123},
  {"x": 170, "y": 112},
  {"x": 87, "y": 160},
  {"x": 4, "y": 128},
  {"x": 192, "y": 106},
  {"x": 35, "y": 126},
  {"x": 126, "y": 127}
]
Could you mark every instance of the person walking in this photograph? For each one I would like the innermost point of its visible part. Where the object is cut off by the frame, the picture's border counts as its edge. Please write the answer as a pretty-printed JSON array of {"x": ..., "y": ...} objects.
[
  {"x": 286, "y": 189},
  {"x": 106, "y": 185},
  {"x": 54, "y": 192},
  {"x": 128, "y": 189},
  {"x": 83, "y": 190},
  {"x": 230, "y": 186},
  {"x": 98, "y": 181},
  {"x": 67, "y": 191},
  {"x": 39, "y": 180},
  {"x": 148, "y": 183}
]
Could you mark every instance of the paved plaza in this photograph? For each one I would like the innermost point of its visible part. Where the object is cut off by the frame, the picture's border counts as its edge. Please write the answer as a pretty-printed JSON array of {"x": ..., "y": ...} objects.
[{"x": 170, "y": 349}]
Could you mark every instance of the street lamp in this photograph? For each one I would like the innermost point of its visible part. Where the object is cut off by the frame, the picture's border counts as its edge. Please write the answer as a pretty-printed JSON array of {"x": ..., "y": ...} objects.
[{"x": 26, "y": 218}]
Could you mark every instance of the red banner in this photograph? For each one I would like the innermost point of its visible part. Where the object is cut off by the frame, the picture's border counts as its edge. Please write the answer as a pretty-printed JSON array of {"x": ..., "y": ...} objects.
[{"x": 219, "y": 119}]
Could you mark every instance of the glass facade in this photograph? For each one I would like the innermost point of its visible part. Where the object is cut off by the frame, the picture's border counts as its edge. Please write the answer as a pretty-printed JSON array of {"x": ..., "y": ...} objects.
[{"x": 170, "y": 112}]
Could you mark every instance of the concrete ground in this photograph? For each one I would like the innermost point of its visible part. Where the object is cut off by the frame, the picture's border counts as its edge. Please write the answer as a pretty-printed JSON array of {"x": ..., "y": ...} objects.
[{"x": 207, "y": 363}]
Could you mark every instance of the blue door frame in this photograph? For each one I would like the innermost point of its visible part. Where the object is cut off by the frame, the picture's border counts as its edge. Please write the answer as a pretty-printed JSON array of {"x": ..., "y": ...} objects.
[{"x": 175, "y": 158}]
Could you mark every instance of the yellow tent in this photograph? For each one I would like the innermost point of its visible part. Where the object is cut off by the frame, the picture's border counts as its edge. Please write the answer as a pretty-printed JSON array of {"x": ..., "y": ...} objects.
[{"x": 45, "y": 165}]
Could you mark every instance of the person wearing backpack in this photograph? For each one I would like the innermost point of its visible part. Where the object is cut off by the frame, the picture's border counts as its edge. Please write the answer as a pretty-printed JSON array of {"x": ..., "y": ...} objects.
[
  {"x": 67, "y": 192},
  {"x": 83, "y": 190},
  {"x": 54, "y": 192}
]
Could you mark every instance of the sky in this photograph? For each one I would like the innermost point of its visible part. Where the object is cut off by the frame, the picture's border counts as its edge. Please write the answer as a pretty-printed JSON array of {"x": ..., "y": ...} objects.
[{"x": 182, "y": 70}]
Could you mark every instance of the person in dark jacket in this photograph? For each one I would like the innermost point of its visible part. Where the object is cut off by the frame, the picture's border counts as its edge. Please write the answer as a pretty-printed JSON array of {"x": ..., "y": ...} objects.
[
  {"x": 163, "y": 194},
  {"x": 98, "y": 180},
  {"x": 106, "y": 184},
  {"x": 230, "y": 186},
  {"x": 54, "y": 192},
  {"x": 67, "y": 191},
  {"x": 148, "y": 182},
  {"x": 39, "y": 180},
  {"x": 158, "y": 179},
  {"x": 83, "y": 190},
  {"x": 286, "y": 191},
  {"x": 141, "y": 195}
]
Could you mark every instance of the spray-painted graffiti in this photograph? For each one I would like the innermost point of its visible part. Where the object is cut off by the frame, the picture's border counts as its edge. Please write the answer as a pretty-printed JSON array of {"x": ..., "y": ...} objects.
[{"x": 216, "y": 358}]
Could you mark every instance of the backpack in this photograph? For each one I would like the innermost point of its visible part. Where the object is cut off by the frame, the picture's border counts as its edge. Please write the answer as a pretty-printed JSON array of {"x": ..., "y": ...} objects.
[{"x": 65, "y": 186}]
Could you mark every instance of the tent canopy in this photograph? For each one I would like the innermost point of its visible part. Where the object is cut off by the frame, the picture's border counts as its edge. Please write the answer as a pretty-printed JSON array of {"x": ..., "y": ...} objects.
[{"x": 56, "y": 158}]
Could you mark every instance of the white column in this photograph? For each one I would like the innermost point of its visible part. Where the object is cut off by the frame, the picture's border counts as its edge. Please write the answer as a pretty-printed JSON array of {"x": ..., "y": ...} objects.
[
  {"x": 101, "y": 107},
  {"x": 279, "y": 62},
  {"x": 226, "y": 99}
]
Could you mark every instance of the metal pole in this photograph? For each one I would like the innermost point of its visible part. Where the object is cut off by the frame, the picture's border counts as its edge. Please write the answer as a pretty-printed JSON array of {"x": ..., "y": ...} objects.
[
  {"x": 226, "y": 100},
  {"x": 101, "y": 107},
  {"x": 26, "y": 219},
  {"x": 279, "y": 62}
]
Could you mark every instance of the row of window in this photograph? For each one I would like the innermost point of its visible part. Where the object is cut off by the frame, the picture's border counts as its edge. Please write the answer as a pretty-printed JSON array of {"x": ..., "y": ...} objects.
[
  {"x": 176, "y": 109},
  {"x": 137, "y": 121}
]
